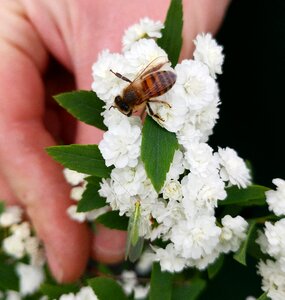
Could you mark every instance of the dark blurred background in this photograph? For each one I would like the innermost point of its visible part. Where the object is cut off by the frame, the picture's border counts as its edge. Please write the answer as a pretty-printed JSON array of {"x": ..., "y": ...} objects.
[{"x": 252, "y": 115}]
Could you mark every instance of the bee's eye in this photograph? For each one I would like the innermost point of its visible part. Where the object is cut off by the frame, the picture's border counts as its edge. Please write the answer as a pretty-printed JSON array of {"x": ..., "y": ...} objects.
[{"x": 124, "y": 106}]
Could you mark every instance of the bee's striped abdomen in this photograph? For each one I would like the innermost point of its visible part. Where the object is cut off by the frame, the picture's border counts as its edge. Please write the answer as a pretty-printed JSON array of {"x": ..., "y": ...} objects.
[{"x": 158, "y": 83}]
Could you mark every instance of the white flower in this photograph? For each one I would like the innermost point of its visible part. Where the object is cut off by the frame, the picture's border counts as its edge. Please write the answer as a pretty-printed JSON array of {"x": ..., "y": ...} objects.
[
  {"x": 275, "y": 238},
  {"x": 233, "y": 168},
  {"x": 176, "y": 167},
  {"x": 86, "y": 293},
  {"x": 169, "y": 259},
  {"x": 195, "y": 238},
  {"x": 233, "y": 233},
  {"x": 273, "y": 279},
  {"x": 146, "y": 28},
  {"x": 106, "y": 84},
  {"x": 173, "y": 116},
  {"x": 205, "y": 118},
  {"x": 128, "y": 281},
  {"x": 145, "y": 262},
  {"x": 201, "y": 160},
  {"x": 127, "y": 186},
  {"x": 22, "y": 230},
  {"x": 11, "y": 215},
  {"x": 77, "y": 192},
  {"x": 35, "y": 251},
  {"x": 188, "y": 135},
  {"x": 13, "y": 295},
  {"x": 74, "y": 215},
  {"x": 205, "y": 261},
  {"x": 209, "y": 52},
  {"x": 262, "y": 241},
  {"x": 69, "y": 296},
  {"x": 14, "y": 246},
  {"x": 250, "y": 298},
  {"x": 121, "y": 144},
  {"x": 141, "y": 292},
  {"x": 194, "y": 84},
  {"x": 167, "y": 215},
  {"x": 172, "y": 190},
  {"x": 73, "y": 177},
  {"x": 113, "y": 116},
  {"x": 200, "y": 194},
  {"x": 144, "y": 52},
  {"x": 276, "y": 199},
  {"x": 31, "y": 277},
  {"x": 128, "y": 181}
]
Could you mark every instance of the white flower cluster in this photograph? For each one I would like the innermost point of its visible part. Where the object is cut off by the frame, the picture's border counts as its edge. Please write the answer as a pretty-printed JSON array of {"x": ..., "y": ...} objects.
[
  {"x": 183, "y": 212},
  {"x": 273, "y": 279},
  {"x": 20, "y": 242},
  {"x": 272, "y": 242},
  {"x": 146, "y": 28},
  {"x": 130, "y": 284},
  {"x": 276, "y": 199},
  {"x": 85, "y": 293},
  {"x": 31, "y": 277},
  {"x": 76, "y": 180},
  {"x": 209, "y": 52}
]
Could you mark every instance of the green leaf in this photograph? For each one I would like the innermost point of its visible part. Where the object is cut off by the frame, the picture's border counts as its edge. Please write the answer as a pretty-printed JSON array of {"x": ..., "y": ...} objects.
[
  {"x": 157, "y": 151},
  {"x": 215, "y": 267},
  {"x": 160, "y": 284},
  {"x": 252, "y": 195},
  {"x": 189, "y": 291},
  {"x": 263, "y": 297},
  {"x": 2, "y": 206},
  {"x": 8, "y": 277},
  {"x": 55, "y": 291},
  {"x": 81, "y": 158},
  {"x": 240, "y": 255},
  {"x": 113, "y": 220},
  {"x": 171, "y": 40},
  {"x": 83, "y": 105},
  {"x": 91, "y": 199},
  {"x": 107, "y": 288}
]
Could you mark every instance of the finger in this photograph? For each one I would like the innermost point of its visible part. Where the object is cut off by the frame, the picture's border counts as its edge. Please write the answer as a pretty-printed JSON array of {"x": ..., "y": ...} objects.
[
  {"x": 34, "y": 178},
  {"x": 38, "y": 183},
  {"x": 200, "y": 16},
  {"x": 109, "y": 245},
  {"x": 6, "y": 194}
]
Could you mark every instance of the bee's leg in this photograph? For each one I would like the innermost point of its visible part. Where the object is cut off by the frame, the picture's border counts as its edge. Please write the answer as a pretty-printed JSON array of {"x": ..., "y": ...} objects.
[
  {"x": 153, "y": 114},
  {"x": 160, "y": 101},
  {"x": 121, "y": 76}
]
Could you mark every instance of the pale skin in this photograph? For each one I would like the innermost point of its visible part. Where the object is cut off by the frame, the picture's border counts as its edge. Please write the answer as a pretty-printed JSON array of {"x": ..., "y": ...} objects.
[{"x": 74, "y": 32}]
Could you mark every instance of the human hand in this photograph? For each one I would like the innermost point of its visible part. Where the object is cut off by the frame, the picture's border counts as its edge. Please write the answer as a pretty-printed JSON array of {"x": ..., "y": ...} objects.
[{"x": 73, "y": 32}]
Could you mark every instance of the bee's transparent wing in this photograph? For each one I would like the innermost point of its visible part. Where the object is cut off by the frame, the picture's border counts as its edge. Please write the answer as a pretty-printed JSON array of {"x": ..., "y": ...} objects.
[
  {"x": 150, "y": 67},
  {"x": 134, "y": 241}
]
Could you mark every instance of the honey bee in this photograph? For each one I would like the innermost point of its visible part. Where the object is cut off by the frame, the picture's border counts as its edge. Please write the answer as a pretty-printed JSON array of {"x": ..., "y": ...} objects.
[{"x": 149, "y": 83}]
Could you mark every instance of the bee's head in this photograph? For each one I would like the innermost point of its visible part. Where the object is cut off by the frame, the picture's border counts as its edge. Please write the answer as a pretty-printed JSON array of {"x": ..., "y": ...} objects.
[{"x": 122, "y": 106}]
